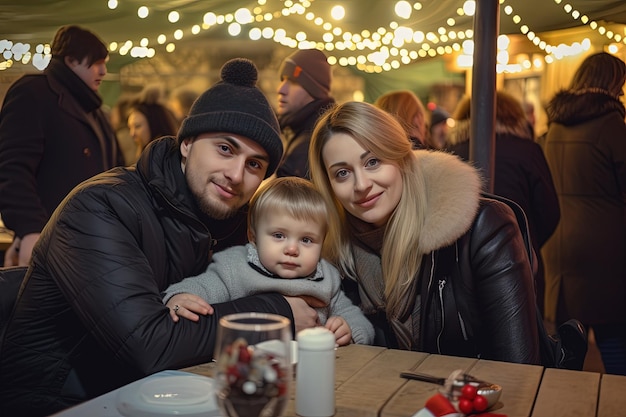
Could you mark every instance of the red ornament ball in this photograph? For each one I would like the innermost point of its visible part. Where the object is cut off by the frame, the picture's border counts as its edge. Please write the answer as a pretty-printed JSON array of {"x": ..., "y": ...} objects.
[
  {"x": 469, "y": 391},
  {"x": 466, "y": 406},
  {"x": 480, "y": 403}
]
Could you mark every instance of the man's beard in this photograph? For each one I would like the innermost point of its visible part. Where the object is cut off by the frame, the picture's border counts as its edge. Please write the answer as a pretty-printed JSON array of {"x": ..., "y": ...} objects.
[{"x": 214, "y": 209}]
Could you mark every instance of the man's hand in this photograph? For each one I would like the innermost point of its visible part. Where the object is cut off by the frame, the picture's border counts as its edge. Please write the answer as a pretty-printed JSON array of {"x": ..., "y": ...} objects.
[
  {"x": 303, "y": 314},
  {"x": 187, "y": 305},
  {"x": 341, "y": 329}
]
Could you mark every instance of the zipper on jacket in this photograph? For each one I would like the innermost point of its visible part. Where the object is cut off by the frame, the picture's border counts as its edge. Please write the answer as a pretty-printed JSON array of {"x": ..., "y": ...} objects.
[
  {"x": 432, "y": 271},
  {"x": 442, "y": 283},
  {"x": 462, "y": 323}
]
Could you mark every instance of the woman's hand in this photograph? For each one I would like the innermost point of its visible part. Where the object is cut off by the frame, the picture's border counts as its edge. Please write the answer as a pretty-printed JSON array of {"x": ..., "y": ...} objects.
[
  {"x": 341, "y": 329},
  {"x": 188, "y": 306}
]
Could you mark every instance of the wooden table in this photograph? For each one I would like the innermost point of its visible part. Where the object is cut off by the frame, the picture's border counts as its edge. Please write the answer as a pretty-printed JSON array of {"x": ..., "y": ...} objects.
[{"x": 368, "y": 384}]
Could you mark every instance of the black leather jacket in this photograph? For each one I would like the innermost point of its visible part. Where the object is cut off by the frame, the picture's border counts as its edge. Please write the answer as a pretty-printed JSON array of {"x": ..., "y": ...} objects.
[
  {"x": 90, "y": 317},
  {"x": 482, "y": 305}
]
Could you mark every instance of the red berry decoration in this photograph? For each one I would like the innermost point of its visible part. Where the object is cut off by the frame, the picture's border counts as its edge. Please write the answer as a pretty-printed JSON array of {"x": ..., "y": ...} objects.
[
  {"x": 469, "y": 391},
  {"x": 244, "y": 354},
  {"x": 480, "y": 403},
  {"x": 466, "y": 406}
]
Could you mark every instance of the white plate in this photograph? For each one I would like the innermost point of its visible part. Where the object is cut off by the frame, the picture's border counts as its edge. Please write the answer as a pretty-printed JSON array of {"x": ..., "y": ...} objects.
[{"x": 169, "y": 395}]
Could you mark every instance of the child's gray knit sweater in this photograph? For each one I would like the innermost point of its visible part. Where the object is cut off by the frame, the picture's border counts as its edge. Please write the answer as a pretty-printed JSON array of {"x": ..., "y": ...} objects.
[{"x": 236, "y": 272}]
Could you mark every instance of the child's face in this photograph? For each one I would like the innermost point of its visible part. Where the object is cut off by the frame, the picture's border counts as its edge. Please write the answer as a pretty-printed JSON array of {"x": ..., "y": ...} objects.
[{"x": 288, "y": 247}]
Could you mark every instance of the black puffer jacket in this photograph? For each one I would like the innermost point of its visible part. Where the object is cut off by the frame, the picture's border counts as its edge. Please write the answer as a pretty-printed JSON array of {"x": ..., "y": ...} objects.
[{"x": 90, "y": 317}]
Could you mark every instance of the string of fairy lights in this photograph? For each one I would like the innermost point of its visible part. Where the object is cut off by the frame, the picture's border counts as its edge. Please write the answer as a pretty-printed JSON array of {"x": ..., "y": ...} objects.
[{"x": 389, "y": 47}]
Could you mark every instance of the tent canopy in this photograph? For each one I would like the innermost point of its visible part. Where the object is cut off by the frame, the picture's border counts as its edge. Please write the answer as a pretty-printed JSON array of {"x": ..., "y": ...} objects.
[{"x": 36, "y": 21}]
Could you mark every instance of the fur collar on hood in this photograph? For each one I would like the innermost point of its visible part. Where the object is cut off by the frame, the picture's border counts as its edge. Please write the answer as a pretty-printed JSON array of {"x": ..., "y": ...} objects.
[
  {"x": 453, "y": 190},
  {"x": 461, "y": 131},
  {"x": 573, "y": 107}
]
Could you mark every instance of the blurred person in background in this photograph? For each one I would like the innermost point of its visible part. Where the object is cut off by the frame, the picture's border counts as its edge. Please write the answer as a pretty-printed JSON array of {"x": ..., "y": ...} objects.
[
  {"x": 148, "y": 120},
  {"x": 180, "y": 101},
  {"x": 118, "y": 117},
  {"x": 585, "y": 147},
  {"x": 521, "y": 172},
  {"x": 440, "y": 121},
  {"x": 53, "y": 135},
  {"x": 529, "y": 112},
  {"x": 303, "y": 95},
  {"x": 409, "y": 111}
]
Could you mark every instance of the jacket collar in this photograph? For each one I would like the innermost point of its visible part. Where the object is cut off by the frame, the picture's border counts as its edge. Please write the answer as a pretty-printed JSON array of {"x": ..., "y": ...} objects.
[
  {"x": 306, "y": 116},
  {"x": 88, "y": 99},
  {"x": 160, "y": 168},
  {"x": 453, "y": 194},
  {"x": 574, "y": 107},
  {"x": 461, "y": 131}
]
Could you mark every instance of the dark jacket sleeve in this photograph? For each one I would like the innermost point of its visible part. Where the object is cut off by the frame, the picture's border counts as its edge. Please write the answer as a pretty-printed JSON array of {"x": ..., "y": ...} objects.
[
  {"x": 545, "y": 210},
  {"x": 21, "y": 148},
  {"x": 504, "y": 286}
]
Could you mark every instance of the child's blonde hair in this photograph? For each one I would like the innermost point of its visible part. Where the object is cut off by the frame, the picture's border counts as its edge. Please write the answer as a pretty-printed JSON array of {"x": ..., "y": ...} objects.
[{"x": 294, "y": 196}]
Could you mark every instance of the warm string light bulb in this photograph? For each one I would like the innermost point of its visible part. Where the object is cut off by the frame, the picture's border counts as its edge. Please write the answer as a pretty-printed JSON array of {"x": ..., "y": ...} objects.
[{"x": 391, "y": 46}]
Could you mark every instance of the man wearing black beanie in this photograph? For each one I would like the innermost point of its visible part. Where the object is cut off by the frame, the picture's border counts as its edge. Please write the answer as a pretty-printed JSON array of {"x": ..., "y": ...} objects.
[
  {"x": 303, "y": 95},
  {"x": 90, "y": 317}
]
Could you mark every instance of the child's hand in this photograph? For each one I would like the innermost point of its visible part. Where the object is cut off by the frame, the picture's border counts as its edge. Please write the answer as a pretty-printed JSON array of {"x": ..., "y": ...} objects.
[
  {"x": 187, "y": 305},
  {"x": 341, "y": 329}
]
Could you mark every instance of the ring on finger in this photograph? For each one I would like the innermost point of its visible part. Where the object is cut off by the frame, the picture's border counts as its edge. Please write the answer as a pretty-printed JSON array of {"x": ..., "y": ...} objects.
[{"x": 176, "y": 308}]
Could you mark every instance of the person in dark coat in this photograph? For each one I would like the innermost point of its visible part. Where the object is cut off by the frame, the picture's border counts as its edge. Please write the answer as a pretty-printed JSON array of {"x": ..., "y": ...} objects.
[
  {"x": 585, "y": 259},
  {"x": 303, "y": 95},
  {"x": 521, "y": 172},
  {"x": 90, "y": 316},
  {"x": 53, "y": 135}
]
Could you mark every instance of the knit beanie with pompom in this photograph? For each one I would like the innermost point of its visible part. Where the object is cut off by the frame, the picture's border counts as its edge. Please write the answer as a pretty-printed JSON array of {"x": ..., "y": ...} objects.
[{"x": 236, "y": 105}]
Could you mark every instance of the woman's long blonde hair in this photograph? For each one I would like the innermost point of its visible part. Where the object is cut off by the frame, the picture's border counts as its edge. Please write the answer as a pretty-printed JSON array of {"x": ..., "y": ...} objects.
[{"x": 381, "y": 134}]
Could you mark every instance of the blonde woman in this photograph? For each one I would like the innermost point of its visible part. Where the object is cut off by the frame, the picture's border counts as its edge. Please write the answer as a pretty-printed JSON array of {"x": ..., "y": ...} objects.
[{"x": 434, "y": 266}]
